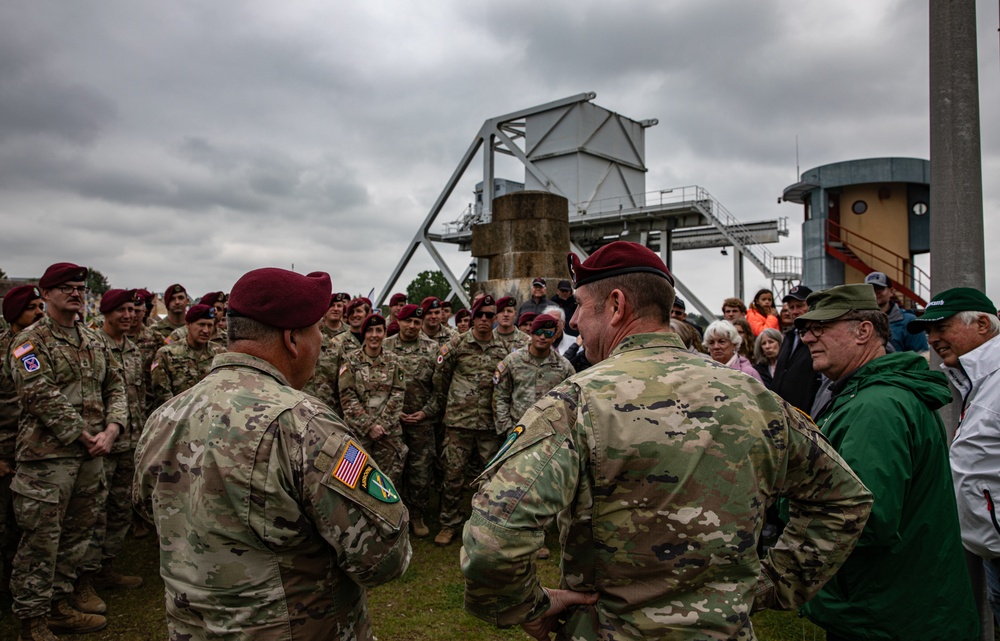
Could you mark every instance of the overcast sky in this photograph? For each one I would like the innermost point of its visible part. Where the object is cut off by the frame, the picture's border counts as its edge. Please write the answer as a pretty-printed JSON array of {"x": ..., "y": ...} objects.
[{"x": 192, "y": 141}]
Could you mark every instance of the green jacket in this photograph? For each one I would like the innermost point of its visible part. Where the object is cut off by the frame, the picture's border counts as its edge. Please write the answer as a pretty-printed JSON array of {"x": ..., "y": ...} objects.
[{"x": 907, "y": 577}]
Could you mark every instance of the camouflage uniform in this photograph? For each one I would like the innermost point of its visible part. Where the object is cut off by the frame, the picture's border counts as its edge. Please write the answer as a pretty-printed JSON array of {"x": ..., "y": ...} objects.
[
  {"x": 148, "y": 343},
  {"x": 463, "y": 386},
  {"x": 330, "y": 334},
  {"x": 513, "y": 341},
  {"x": 444, "y": 335},
  {"x": 179, "y": 335},
  {"x": 163, "y": 328},
  {"x": 417, "y": 360},
  {"x": 177, "y": 367},
  {"x": 324, "y": 383},
  {"x": 119, "y": 464},
  {"x": 67, "y": 384},
  {"x": 10, "y": 412},
  {"x": 269, "y": 533},
  {"x": 521, "y": 379},
  {"x": 665, "y": 464},
  {"x": 371, "y": 393}
]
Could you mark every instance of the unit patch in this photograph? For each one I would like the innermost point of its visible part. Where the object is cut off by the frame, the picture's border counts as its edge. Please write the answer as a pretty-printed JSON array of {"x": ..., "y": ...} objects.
[
  {"x": 31, "y": 363},
  {"x": 379, "y": 486},
  {"x": 23, "y": 349},
  {"x": 514, "y": 433},
  {"x": 351, "y": 463}
]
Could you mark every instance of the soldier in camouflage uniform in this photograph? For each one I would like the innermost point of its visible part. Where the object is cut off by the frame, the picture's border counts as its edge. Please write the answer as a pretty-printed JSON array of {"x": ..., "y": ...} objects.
[
  {"x": 665, "y": 464},
  {"x": 176, "y": 300},
  {"x": 22, "y": 307},
  {"x": 73, "y": 407},
  {"x": 178, "y": 366},
  {"x": 371, "y": 395},
  {"x": 416, "y": 355},
  {"x": 333, "y": 321},
  {"x": 324, "y": 383},
  {"x": 432, "y": 326},
  {"x": 275, "y": 529},
  {"x": 118, "y": 307},
  {"x": 463, "y": 382},
  {"x": 506, "y": 332},
  {"x": 526, "y": 375}
]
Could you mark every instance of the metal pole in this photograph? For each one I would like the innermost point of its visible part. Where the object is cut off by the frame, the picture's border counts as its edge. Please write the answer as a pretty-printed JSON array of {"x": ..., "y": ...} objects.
[{"x": 956, "y": 208}]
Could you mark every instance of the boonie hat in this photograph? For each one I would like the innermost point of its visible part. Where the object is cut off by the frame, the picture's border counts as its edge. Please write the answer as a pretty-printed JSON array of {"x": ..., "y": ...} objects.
[{"x": 950, "y": 302}]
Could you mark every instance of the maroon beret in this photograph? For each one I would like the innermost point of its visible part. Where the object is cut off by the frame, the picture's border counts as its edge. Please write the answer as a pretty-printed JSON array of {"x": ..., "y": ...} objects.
[
  {"x": 410, "y": 310},
  {"x": 543, "y": 321},
  {"x": 351, "y": 306},
  {"x": 342, "y": 297},
  {"x": 615, "y": 259},
  {"x": 61, "y": 273},
  {"x": 505, "y": 302},
  {"x": 372, "y": 320},
  {"x": 429, "y": 303},
  {"x": 526, "y": 317},
  {"x": 115, "y": 298},
  {"x": 146, "y": 296},
  {"x": 446, "y": 303},
  {"x": 392, "y": 329},
  {"x": 173, "y": 289},
  {"x": 485, "y": 301},
  {"x": 462, "y": 313},
  {"x": 199, "y": 312},
  {"x": 16, "y": 301},
  {"x": 280, "y": 298},
  {"x": 211, "y": 298},
  {"x": 397, "y": 298}
]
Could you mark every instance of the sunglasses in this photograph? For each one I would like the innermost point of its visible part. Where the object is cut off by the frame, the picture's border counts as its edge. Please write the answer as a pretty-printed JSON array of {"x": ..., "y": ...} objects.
[
  {"x": 547, "y": 333},
  {"x": 486, "y": 315}
]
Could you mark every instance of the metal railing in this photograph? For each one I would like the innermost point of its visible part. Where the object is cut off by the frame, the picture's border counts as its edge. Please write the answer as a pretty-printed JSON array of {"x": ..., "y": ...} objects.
[{"x": 881, "y": 259}]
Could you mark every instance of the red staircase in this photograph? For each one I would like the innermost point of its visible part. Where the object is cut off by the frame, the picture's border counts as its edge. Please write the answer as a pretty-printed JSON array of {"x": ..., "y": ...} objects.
[{"x": 867, "y": 256}]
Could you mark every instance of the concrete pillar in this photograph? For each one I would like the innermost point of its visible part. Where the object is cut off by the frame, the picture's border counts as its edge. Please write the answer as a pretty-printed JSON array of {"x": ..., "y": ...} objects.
[{"x": 527, "y": 238}]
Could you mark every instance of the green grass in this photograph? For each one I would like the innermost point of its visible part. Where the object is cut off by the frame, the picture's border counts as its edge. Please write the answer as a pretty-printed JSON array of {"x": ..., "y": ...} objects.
[{"x": 424, "y": 605}]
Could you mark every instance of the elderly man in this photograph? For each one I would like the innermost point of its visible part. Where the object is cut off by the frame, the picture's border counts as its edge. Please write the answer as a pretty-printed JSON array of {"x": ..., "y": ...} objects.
[
  {"x": 899, "y": 318},
  {"x": 271, "y": 516},
  {"x": 73, "y": 408},
  {"x": 537, "y": 303},
  {"x": 664, "y": 464},
  {"x": 882, "y": 420},
  {"x": 463, "y": 399},
  {"x": 962, "y": 327}
]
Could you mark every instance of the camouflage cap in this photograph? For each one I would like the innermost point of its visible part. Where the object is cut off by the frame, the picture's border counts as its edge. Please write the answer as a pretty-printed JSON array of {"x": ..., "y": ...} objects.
[
  {"x": 61, "y": 273},
  {"x": 615, "y": 259},
  {"x": 950, "y": 302},
  {"x": 115, "y": 298},
  {"x": 831, "y": 304},
  {"x": 16, "y": 301}
]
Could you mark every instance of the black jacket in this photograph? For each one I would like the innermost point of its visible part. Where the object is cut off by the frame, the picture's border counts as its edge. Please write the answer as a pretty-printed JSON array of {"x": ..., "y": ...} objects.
[{"x": 794, "y": 378}]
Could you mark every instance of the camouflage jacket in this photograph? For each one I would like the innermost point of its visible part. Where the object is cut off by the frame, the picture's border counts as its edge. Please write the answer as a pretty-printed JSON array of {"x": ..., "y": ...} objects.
[
  {"x": 371, "y": 392},
  {"x": 67, "y": 385},
  {"x": 665, "y": 465},
  {"x": 163, "y": 329},
  {"x": 10, "y": 406},
  {"x": 521, "y": 379},
  {"x": 417, "y": 359},
  {"x": 330, "y": 334},
  {"x": 177, "y": 367},
  {"x": 443, "y": 336},
  {"x": 513, "y": 341},
  {"x": 272, "y": 519},
  {"x": 148, "y": 343},
  {"x": 179, "y": 335},
  {"x": 128, "y": 360},
  {"x": 463, "y": 382},
  {"x": 324, "y": 383}
]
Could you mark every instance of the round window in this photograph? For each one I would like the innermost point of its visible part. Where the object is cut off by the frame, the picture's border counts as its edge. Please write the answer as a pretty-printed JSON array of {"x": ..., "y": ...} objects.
[
  {"x": 919, "y": 209},
  {"x": 859, "y": 207}
]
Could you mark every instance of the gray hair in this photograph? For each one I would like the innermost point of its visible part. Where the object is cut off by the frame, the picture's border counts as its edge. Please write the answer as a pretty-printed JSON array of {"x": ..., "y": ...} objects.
[
  {"x": 241, "y": 328},
  {"x": 555, "y": 310},
  {"x": 723, "y": 329},
  {"x": 968, "y": 318},
  {"x": 758, "y": 353}
]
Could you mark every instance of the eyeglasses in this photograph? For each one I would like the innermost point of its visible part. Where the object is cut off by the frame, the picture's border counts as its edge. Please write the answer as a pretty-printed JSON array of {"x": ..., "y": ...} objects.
[
  {"x": 817, "y": 329},
  {"x": 486, "y": 315},
  {"x": 69, "y": 289},
  {"x": 547, "y": 333}
]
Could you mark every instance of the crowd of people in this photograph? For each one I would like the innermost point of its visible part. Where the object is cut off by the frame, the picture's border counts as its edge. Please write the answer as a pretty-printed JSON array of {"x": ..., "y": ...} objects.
[{"x": 286, "y": 440}]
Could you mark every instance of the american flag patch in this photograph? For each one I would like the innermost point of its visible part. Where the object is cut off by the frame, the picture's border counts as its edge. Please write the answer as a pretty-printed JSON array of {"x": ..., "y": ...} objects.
[
  {"x": 351, "y": 464},
  {"x": 22, "y": 349}
]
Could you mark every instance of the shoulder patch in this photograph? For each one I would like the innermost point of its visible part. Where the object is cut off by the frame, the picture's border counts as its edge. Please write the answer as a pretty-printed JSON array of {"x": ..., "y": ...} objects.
[
  {"x": 23, "y": 349},
  {"x": 444, "y": 350},
  {"x": 351, "y": 464},
  {"x": 31, "y": 363},
  {"x": 514, "y": 433},
  {"x": 155, "y": 364},
  {"x": 378, "y": 485},
  {"x": 343, "y": 368},
  {"x": 501, "y": 368},
  {"x": 168, "y": 341}
]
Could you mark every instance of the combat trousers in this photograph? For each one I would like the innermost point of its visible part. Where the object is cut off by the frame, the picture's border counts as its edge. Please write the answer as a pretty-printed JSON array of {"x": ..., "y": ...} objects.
[
  {"x": 419, "y": 475},
  {"x": 114, "y": 515},
  {"x": 10, "y": 534},
  {"x": 459, "y": 444},
  {"x": 55, "y": 501}
]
